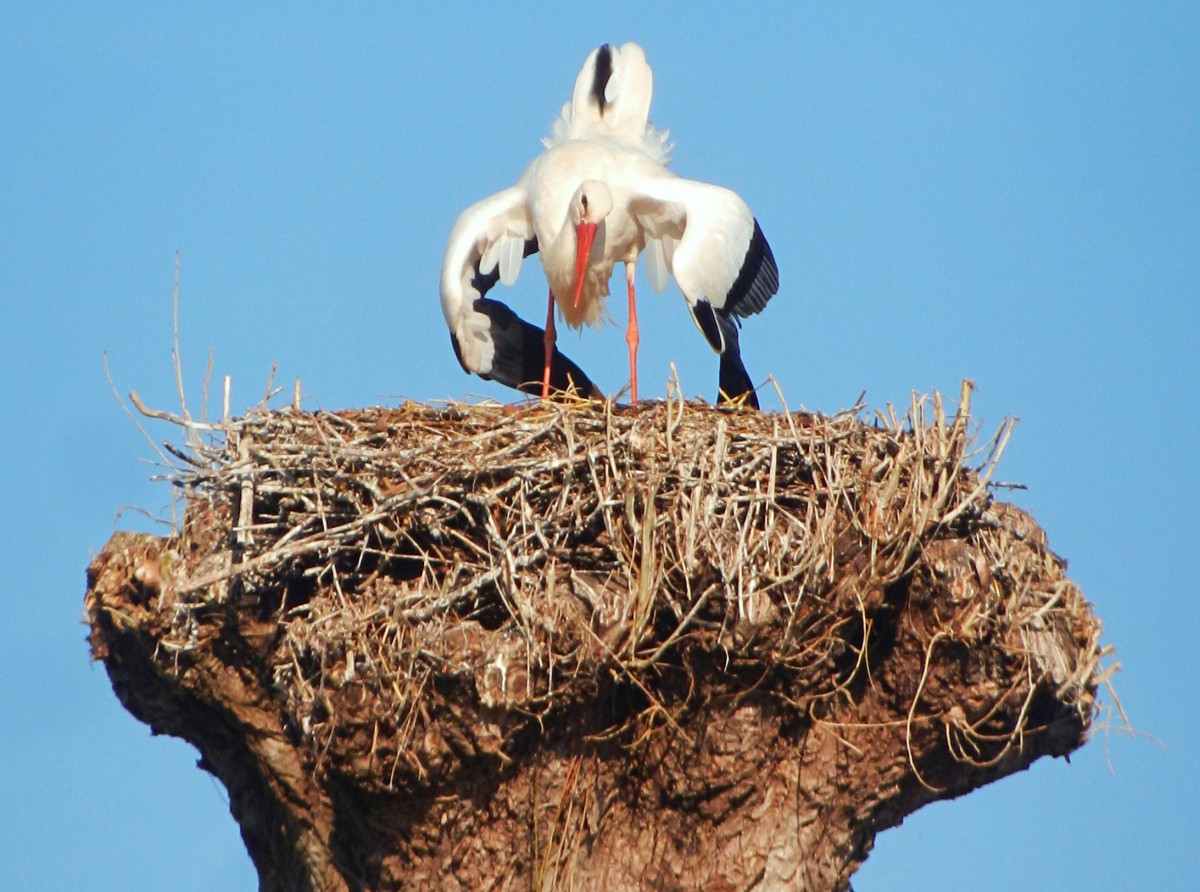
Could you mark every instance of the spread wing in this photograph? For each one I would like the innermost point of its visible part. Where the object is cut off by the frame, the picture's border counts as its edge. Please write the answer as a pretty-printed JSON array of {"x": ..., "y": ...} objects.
[
  {"x": 487, "y": 244},
  {"x": 706, "y": 237}
]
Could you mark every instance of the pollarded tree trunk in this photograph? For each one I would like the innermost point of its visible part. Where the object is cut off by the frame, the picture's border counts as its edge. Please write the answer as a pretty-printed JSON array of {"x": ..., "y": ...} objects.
[{"x": 667, "y": 647}]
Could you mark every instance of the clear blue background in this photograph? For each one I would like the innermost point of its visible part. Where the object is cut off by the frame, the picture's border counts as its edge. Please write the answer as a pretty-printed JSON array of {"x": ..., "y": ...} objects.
[{"x": 1008, "y": 194}]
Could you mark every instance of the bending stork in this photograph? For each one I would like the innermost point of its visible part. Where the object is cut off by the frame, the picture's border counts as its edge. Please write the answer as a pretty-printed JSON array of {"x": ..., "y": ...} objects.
[{"x": 601, "y": 194}]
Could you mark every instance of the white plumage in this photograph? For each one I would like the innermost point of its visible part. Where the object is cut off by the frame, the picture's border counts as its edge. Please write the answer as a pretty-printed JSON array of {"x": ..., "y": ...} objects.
[{"x": 600, "y": 194}]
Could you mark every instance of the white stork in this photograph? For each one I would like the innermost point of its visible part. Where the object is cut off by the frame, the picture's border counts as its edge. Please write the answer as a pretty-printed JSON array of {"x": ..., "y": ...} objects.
[{"x": 601, "y": 194}]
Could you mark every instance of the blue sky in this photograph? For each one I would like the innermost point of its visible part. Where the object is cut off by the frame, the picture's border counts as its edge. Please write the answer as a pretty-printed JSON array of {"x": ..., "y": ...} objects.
[{"x": 1008, "y": 193}]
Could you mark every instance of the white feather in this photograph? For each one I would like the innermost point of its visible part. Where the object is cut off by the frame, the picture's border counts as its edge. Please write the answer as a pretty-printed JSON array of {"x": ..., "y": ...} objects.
[
  {"x": 475, "y": 341},
  {"x": 656, "y": 265},
  {"x": 560, "y": 129},
  {"x": 512, "y": 251},
  {"x": 490, "y": 257},
  {"x": 657, "y": 145},
  {"x": 613, "y": 88}
]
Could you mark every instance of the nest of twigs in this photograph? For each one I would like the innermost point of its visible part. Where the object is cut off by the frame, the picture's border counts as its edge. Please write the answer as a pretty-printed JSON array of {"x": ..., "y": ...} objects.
[{"x": 418, "y": 563}]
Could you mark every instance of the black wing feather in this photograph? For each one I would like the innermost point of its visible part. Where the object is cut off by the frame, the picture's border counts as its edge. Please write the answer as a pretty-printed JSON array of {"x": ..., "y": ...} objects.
[
  {"x": 520, "y": 353},
  {"x": 757, "y": 280},
  {"x": 601, "y": 76},
  {"x": 706, "y": 317},
  {"x": 721, "y": 330},
  {"x": 733, "y": 380}
]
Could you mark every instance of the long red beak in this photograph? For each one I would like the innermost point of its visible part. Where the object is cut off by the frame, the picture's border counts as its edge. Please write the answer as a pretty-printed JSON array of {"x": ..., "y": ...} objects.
[{"x": 585, "y": 233}]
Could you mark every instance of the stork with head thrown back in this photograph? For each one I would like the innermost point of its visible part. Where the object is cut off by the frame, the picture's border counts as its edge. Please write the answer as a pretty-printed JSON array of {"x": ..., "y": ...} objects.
[{"x": 600, "y": 194}]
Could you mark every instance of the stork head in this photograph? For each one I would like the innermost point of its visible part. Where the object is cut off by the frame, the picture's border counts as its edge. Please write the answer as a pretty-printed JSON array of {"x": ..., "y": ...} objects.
[{"x": 590, "y": 204}]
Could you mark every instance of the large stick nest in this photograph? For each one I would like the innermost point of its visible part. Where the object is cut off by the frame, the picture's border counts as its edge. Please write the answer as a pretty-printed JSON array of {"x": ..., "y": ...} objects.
[
  {"x": 525, "y": 558},
  {"x": 584, "y": 646}
]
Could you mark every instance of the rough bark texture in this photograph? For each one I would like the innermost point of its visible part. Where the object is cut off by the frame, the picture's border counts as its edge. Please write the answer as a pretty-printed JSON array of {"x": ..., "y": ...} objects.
[{"x": 382, "y": 718}]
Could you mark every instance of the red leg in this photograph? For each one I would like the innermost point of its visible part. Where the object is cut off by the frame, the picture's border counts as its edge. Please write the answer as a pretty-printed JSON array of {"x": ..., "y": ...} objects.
[
  {"x": 549, "y": 339},
  {"x": 631, "y": 334}
]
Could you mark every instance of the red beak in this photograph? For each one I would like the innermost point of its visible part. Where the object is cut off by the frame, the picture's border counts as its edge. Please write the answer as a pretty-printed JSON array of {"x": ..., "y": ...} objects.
[{"x": 585, "y": 233}]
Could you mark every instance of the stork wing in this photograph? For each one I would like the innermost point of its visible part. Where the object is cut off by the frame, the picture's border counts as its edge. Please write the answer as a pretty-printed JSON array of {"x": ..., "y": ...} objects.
[
  {"x": 611, "y": 98},
  {"x": 519, "y": 355},
  {"x": 487, "y": 243},
  {"x": 612, "y": 93},
  {"x": 707, "y": 238}
]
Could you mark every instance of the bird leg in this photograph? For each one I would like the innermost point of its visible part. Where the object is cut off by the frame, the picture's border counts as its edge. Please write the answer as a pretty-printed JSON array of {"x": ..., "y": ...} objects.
[
  {"x": 548, "y": 339},
  {"x": 631, "y": 334}
]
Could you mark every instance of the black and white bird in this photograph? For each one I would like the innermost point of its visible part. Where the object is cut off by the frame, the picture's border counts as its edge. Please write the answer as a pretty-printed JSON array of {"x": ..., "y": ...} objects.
[{"x": 600, "y": 194}]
